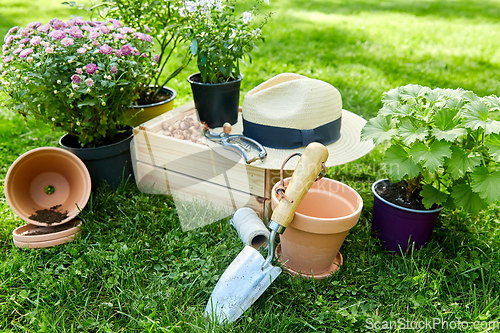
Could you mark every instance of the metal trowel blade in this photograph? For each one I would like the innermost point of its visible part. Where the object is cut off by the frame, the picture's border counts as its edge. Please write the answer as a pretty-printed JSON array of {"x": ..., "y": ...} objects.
[{"x": 240, "y": 286}]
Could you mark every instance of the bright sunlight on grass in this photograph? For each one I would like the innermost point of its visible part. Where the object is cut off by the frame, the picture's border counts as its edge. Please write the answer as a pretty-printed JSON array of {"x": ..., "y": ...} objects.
[{"x": 134, "y": 270}]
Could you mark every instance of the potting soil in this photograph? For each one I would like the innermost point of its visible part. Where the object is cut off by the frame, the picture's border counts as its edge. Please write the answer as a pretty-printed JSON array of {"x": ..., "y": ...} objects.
[
  {"x": 396, "y": 193},
  {"x": 49, "y": 216}
]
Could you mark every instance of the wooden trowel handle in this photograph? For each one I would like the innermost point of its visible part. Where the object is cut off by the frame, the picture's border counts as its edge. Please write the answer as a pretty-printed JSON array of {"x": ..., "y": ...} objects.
[{"x": 303, "y": 177}]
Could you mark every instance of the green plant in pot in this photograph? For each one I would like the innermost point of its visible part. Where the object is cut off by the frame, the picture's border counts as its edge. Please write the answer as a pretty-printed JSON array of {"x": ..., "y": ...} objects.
[
  {"x": 163, "y": 21},
  {"x": 220, "y": 39},
  {"x": 79, "y": 77},
  {"x": 442, "y": 146}
]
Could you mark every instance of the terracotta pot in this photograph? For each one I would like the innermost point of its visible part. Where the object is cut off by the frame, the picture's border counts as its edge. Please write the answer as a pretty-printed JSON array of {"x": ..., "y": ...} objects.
[
  {"x": 48, "y": 243},
  {"x": 46, "y": 177},
  {"x": 310, "y": 245},
  {"x": 399, "y": 227},
  {"x": 151, "y": 111},
  {"x": 30, "y": 233}
]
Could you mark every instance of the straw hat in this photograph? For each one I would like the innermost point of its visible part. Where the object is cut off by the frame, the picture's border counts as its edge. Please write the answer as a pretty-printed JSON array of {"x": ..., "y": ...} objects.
[{"x": 288, "y": 112}]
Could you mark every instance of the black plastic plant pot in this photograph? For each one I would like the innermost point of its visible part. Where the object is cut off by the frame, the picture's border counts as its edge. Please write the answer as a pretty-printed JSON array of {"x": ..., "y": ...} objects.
[
  {"x": 216, "y": 103},
  {"x": 111, "y": 163},
  {"x": 399, "y": 227}
]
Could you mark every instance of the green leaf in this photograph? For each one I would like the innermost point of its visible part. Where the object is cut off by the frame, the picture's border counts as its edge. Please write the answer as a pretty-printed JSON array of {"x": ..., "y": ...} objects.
[
  {"x": 433, "y": 156},
  {"x": 448, "y": 135},
  {"x": 392, "y": 96},
  {"x": 400, "y": 163},
  {"x": 462, "y": 162},
  {"x": 454, "y": 104},
  {"x": 410, "y": 134},
  {"x": 446, "y": 119},
  {"x": 194, "y": 46},
  {"x": 379, "y": 129},
  {"x": 87, "y": 101},
  {"x": 486, "y": 184},
  {"x": 477, "y": 116},
  {"x": 413, "y": 91},
  {"x": 395, "y": 110},
  {"x": 466, "y": 198},
  {"x": 492, "y": 142},
  {"x": 434, "y": 96},
  {"x": 431, "y": 195},
  {"x": 494, "y": 101}
]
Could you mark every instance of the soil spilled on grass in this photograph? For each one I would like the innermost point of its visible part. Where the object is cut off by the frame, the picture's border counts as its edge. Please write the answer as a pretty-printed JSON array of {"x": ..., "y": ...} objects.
[
  {"x": 396, "y": 194},
  {"x": 49, "y": 216}
]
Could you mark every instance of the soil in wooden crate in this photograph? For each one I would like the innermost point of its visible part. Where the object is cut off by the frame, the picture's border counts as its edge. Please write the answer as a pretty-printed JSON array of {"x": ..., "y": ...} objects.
[
  {"x": 396, "y": 194},
  {"x": 49, "y": 216}
]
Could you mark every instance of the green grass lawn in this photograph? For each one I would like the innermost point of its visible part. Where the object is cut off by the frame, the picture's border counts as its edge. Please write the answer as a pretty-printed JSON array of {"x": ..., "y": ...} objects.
[{"x": 134, "y": 270}]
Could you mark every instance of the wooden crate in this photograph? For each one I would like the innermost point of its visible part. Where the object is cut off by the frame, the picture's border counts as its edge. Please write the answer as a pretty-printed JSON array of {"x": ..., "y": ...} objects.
[{"x": 168, "y": 165}]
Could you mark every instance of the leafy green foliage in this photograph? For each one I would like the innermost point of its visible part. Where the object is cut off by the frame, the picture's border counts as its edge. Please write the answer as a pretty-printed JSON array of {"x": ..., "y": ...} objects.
[
  {"x": 165, "y": 22},
  {"x": 447, "y": 139},
  {"x": 221, "y": 37},
  {"x": 77, "y": 76}
]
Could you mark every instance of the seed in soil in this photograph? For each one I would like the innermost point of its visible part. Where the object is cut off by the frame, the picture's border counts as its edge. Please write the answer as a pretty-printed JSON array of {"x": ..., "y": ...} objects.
[{"x": 49, "y": 216}]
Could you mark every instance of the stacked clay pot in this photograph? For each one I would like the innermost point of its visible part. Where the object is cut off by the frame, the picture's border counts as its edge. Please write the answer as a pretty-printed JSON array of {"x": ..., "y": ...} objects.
[{"x": 49, "y": 180}]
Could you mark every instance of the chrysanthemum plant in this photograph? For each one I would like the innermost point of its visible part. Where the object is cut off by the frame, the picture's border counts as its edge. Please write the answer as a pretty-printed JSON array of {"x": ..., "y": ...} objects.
[
  {"x": 162, "y": 20},
  {"x": 443, "y": 142},
  {"x": 220, "y": 37},
  {"x": 78, "y": 76}
]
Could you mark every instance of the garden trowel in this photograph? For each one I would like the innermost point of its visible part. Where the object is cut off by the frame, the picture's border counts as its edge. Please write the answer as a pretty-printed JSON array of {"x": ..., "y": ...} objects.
[{"x": 249, "y": 275}]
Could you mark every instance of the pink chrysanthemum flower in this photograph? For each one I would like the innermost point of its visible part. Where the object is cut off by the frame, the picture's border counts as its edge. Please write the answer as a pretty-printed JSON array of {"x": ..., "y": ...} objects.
[
  {"x": 106, "y": 49},
  {"x": 34, "y": 25},
  {"x": 81, "y": 50},
  {"x": 76, "y": 79},
  {"x": 94, "y": 34},
  {"x": 57, "y": 24},
  {"x": 140, "y": 35},
  {"x": 35, "y": 40},
  {"x": 79, "y": 71},
  {"x": 126, "y": 50},
  {"x": 126, "y": 30},
  {"x": 57, "y": 34},
  {"x": 44, "y": 28},
  {"x": 75, "y": 32},
  {"x": 113, "y": 70},
  {"x": 13, "y": 30},
  {"x": 89, "y": 82},
  {"x": 67, "y": 41},
  {"x": 26, "y": 53},
  {"x": 91, "y": 68},
  {"x": 105, "y": 29}
]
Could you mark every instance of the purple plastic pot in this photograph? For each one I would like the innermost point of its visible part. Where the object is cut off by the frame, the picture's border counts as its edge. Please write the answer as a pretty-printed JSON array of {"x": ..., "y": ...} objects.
[{"x": 398, "y": 226}]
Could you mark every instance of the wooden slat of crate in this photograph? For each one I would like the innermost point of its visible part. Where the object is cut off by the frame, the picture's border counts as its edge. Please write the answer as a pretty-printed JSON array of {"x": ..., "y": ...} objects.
[
  {"x": 160, "y": 181},
  {"x": 187, "y": 162},
  {"x": 193, "y": 159}
]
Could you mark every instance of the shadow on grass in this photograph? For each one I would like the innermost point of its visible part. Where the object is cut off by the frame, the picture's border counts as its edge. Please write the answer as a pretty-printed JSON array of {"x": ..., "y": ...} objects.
[
  {"x": 487, "y": 9},
  {"x": 363, "y": 66}
]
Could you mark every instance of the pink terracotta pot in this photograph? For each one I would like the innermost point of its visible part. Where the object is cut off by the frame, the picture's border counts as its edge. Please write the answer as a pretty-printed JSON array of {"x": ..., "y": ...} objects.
[
  {"x": 310, "y": 245},
  {"x": 46, "y": 177}
]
